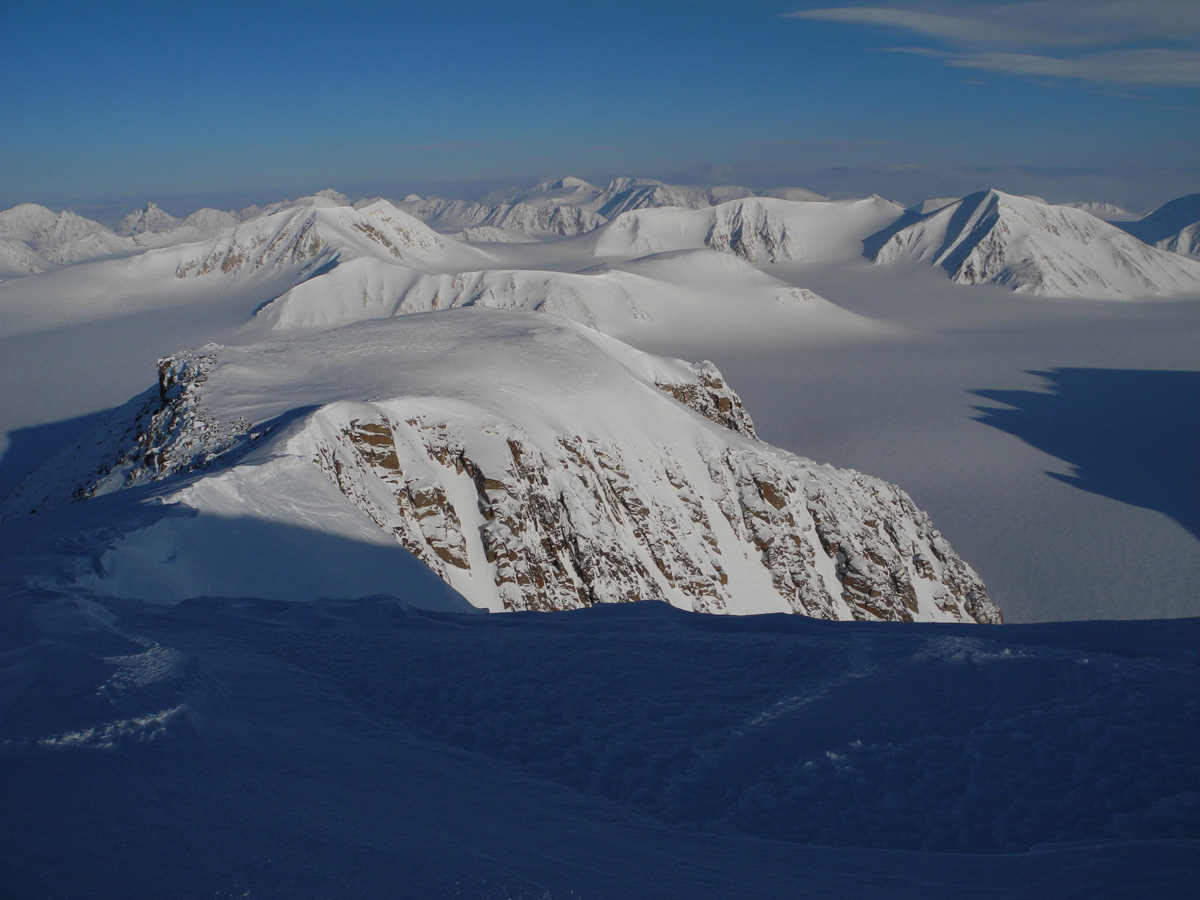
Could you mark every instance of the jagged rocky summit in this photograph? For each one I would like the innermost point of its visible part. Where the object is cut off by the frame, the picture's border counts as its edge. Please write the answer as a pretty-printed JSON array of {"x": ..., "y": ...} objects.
[{"x": 532, "y": 463}]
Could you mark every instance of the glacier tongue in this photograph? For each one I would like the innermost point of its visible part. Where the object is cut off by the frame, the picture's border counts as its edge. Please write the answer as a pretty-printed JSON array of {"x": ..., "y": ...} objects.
[{"x": 533, "y": 464}]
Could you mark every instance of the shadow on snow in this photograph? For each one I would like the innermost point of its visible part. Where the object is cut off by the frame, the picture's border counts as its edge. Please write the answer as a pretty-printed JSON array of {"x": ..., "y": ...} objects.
[{"x": 1131, "y": 435}]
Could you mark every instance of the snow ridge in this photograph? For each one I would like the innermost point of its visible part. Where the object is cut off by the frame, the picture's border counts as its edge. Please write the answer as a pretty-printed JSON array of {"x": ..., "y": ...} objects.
[
  {"x": 1174, "y": 226},
  {"x": 1037, "y": 248}
]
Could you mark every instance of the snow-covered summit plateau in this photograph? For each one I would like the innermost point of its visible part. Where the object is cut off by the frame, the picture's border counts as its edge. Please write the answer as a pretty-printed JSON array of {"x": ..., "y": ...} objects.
[{"x": 529, "y": 461}]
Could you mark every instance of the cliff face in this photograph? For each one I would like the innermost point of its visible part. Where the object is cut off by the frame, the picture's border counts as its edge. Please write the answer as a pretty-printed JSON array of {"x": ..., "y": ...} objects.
[
  {"x": 584, "y": 522},
  {"x": 535, "y": 465}
]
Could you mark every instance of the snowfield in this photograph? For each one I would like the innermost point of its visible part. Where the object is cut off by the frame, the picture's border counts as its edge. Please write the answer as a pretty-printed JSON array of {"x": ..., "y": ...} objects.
[
  {"x": 264, "y": 473},
  {"x": 365, "y": 749}
]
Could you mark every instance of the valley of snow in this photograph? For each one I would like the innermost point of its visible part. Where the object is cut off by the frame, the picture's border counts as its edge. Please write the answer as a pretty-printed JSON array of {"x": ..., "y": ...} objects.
[{"x": 224, "y": 674}]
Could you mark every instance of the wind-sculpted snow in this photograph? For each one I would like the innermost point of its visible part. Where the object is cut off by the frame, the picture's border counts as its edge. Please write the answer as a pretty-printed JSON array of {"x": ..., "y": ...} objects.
[
  {"x": 1036, "y": 248},
  {"x": 534, "y": 464}
]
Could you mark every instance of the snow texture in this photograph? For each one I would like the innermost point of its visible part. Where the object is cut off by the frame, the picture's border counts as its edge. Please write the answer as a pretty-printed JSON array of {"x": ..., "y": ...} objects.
[{"x": 363, "y": 748}]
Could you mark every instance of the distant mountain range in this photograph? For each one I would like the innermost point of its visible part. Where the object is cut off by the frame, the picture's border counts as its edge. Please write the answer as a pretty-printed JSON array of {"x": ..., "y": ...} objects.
[
  {"x": 1029, "y": 245},
  {"x": 1054, "y": 251}
]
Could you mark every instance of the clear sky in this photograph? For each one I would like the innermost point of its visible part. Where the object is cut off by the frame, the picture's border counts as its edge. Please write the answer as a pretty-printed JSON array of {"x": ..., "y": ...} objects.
[{"x": 227, "y": 103}]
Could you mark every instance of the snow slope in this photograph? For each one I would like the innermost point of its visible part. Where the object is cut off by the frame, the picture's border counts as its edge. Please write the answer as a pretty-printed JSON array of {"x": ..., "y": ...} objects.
[
  {"x": 361, "y": 748},
  {"x": 1174, "y": 226},
  {"x": 531, "y": 463},
  {"x": 618, "y": 297},
  {"x": 1033, "y": 247},
  {"x": 17, "y": 258},
  {"x": 475, "y": 218},
  {"x": 1108, "y": 212},
  {"x": 755, "y": 229},
  {"x": 246, "y": 266}
]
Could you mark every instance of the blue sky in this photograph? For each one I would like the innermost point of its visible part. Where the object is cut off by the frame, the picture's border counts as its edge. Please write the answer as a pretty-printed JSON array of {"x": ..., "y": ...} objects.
[{"x": 233, "y": 103}]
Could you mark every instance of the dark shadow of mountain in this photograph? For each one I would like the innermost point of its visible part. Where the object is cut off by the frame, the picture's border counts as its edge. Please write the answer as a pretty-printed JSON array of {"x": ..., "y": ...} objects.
[
  {"x": 80, "y": 449},
  {"x": 1131, "y": 435},
  {"x": 131, "y": 544},
  {"x": 30, "y": 447},
  {"x": 874, "y": 243}
]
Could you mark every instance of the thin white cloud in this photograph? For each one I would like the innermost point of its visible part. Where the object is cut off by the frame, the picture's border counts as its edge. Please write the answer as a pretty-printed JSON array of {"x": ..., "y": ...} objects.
[
  {"x": 1144, "y": 42},
  {"x": 952, "y": 28},
  {"x": 1177, "y": 68}
]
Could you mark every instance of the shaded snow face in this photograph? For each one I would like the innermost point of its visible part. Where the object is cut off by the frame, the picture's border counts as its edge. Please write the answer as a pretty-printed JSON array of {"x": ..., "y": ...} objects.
[
  {"x": 532, "y": 464},
  {"x": 362, "y": 749}
]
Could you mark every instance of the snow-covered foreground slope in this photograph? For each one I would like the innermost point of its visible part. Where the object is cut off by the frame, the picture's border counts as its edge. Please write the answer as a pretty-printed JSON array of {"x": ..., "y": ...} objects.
[
  {"x": 528, "y": 461},
  {"x": 361, "y": 748},
  {"x": 1032, "y": 247}
]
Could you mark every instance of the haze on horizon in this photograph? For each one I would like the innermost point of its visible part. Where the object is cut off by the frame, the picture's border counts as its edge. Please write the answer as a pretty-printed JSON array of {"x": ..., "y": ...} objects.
[{"x": 134, "y": 101}]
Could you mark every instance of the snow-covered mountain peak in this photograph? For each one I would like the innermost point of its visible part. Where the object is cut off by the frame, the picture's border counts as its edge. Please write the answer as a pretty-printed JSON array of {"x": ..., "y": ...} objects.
[
  {"x": 1174, "y": 226},
  {"x": 62, "y": 238},
  {"x": 747, "y": 228},
  {"x": 150, "y": 218},
  {"x": 567, "y": 183},
  {"x": 312, "y": 233},
  {"x": 1033, "y": 247},
  {"x": 338, "y": 198},
  {"x": 530, "y": 462},
  {"x": 40, "y": 226}
]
